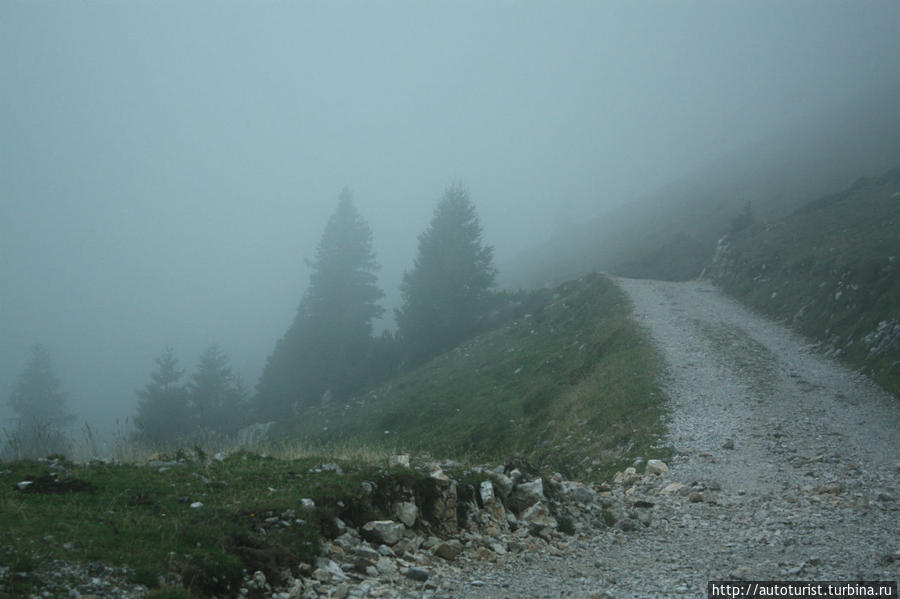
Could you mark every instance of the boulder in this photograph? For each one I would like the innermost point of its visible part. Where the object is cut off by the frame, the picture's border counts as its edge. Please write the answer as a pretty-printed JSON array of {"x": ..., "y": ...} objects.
[
  {"x": 578, "y": 492},
  {"x": 656, "y": 467},
  {"x": 539, "y": 516},
  {"x": 417, "y": 574},
  {"x": 527, "y": 494},
  {"x": 486, "y": 492},
  {"x": 329, "y": 571},
  {"x": 383, "y": 531},
  {"x": 448, "y": 550},
  {"x": 406, "y": 512}
]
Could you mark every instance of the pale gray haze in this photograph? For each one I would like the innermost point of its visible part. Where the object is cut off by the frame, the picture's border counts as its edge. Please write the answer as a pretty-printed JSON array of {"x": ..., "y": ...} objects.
[{"x": 167, "y": 167}]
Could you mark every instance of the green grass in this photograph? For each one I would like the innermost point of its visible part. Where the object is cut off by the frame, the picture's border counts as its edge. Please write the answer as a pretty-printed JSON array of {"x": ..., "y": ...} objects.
[
  {"x": 832, "y": 271},
  {"x": 570, "y": 386},
  {"x": 140, "y": 516}
]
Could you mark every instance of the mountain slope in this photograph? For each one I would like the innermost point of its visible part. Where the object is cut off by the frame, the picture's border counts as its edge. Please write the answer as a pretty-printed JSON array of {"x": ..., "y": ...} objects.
[{"x": 831, "y": 270}]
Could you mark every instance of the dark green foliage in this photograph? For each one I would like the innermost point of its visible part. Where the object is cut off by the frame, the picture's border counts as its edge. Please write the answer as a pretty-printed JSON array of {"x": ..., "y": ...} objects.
[
  {"x": 446, "y": 295},
  {"x": 163, "y": 412},
  {"x": 565, "y": 525},
  {"x": 148, "y": 578},
  {"x": 217, "y": 397},
  {"x": 40, "y": 404},
  {"x": 324, "y": 351}
]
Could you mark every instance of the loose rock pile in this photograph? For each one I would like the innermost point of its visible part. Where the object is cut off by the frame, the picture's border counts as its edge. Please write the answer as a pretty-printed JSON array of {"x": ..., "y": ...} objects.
[{"x": 430, "y": 544}]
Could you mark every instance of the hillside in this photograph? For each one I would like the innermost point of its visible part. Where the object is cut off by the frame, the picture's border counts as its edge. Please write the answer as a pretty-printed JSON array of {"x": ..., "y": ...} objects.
[
  {"x": 570, "y": 385},
  {"x": 671, "y": 234},
  {"x": 830, "y": 270}
]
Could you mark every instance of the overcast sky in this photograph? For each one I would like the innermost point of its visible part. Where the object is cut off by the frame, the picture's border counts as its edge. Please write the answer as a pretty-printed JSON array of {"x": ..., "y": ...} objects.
[{"x": 166, "y": 167}]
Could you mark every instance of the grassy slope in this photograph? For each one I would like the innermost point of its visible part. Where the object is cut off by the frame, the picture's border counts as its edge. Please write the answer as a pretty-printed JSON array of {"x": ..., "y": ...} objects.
[
  {"x": 140, "y": 516},
  {"x": 571, "y": 386},
  {"x": 831, "y": 270}
]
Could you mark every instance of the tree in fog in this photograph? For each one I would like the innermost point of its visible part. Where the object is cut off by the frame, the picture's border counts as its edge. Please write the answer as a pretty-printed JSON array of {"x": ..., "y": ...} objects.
[
  {"x": 216, "y": 397},
  {"x": 447, "y": 291},
  {"x": 163, "y": 414},
  {"x": 325, "y": 347},
  {"x": 40, "y": 404}
]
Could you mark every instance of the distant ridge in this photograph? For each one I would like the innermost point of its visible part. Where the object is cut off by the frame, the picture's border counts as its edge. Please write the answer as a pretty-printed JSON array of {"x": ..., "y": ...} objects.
[{"x": 671, "y": 234}]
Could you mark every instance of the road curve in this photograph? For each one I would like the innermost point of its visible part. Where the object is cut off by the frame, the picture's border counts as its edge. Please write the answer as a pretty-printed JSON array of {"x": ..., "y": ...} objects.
[{"x": 794, "y": 455}]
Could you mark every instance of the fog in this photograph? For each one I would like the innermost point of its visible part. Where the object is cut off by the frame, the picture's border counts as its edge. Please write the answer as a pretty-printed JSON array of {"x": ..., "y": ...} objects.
[{"x": 167, "y": 167}]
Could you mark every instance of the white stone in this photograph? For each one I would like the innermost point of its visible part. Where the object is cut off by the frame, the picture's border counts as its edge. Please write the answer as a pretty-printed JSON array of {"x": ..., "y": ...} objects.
[
  {"x": 332, "y": 568},
  {"x": 671, "y": 488},
  {"x": 438, "y": 474},
  {"x": 656, "y": 467},
  {"x": 399, "y": 461},
  {"x": 383, "y": 531},
  {"x": 534, "y": 489},
  {"x": 486, "y": 490},
  {"x": 539, "y": 515},
  {"x": 407, "y": 512}
]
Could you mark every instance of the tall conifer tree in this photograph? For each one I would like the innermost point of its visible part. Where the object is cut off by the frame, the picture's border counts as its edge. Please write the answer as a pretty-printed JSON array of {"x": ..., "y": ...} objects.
[
  {"x": 163, "y": 413},
  {"x": 215, "y": 394},
  {"x": 40, "y": 403},
  {"x": 332, "y": 331},
  {"x": 446, "y": 292}
]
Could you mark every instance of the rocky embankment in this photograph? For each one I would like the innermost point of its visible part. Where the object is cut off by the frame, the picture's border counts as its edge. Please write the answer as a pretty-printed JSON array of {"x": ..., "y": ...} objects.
[{"x": 439, "y": 539}]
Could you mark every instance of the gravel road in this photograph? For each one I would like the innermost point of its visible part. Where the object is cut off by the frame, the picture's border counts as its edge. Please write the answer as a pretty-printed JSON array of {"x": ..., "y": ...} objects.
[{"x": 793, "y": 457}]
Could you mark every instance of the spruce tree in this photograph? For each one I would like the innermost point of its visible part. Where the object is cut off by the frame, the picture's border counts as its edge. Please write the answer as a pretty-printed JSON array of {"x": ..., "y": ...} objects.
[
  {"x": 40, "y": 403},
  {"x": 216, "y": 396},
  {"x": 163, "y": 414},
  {"x": 322, "y": 351},
  {"x": 447, "y": 291}
]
